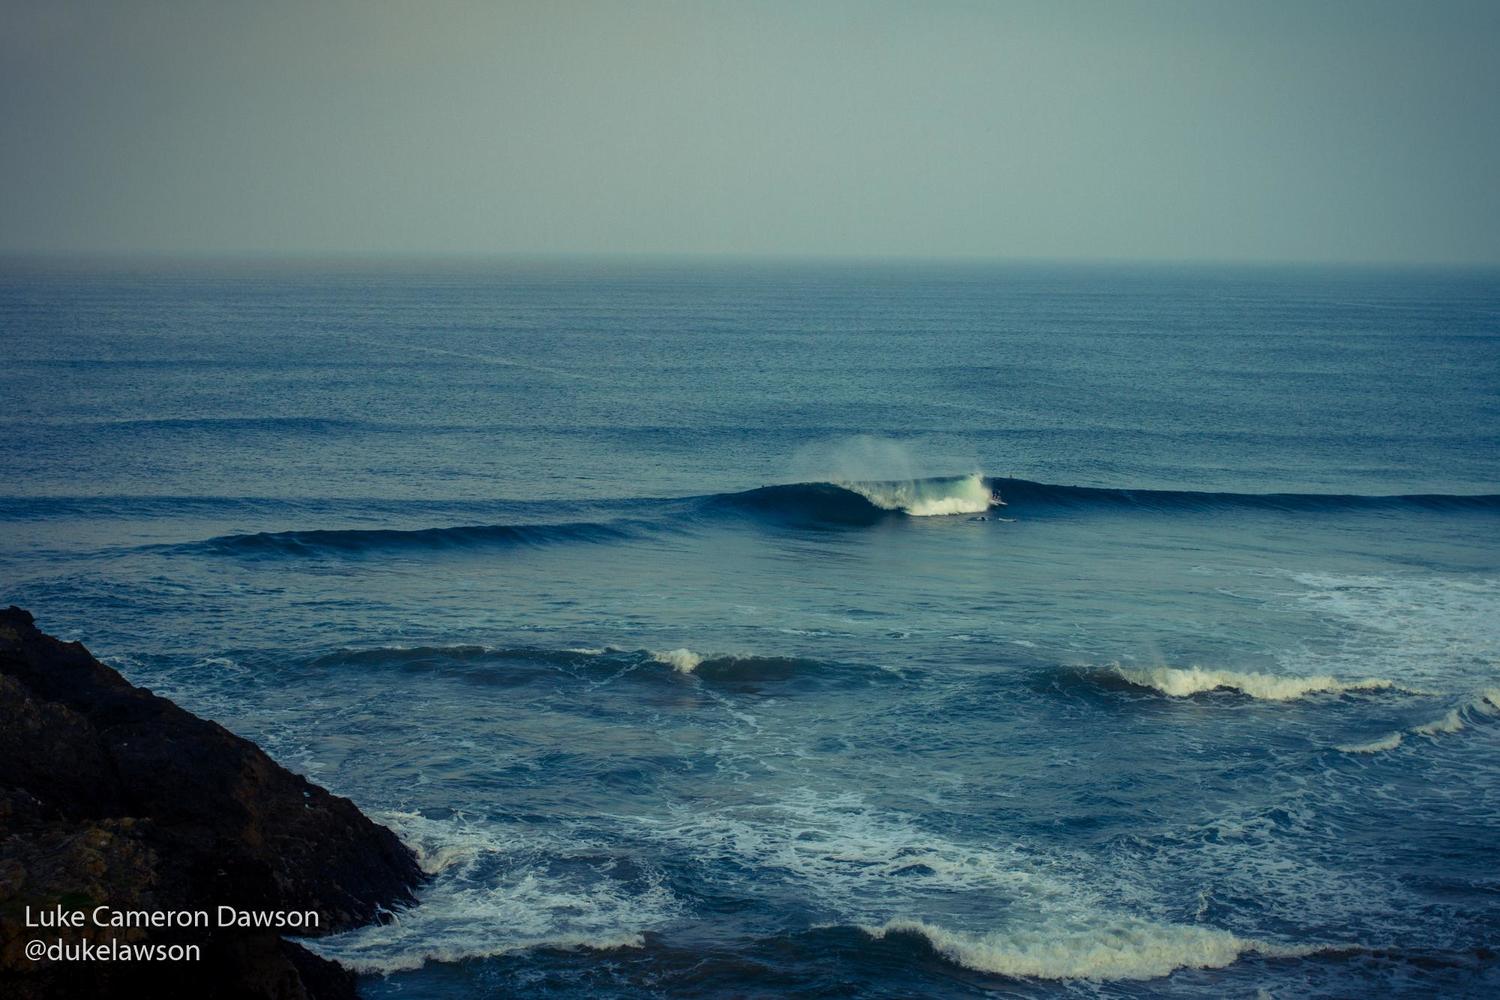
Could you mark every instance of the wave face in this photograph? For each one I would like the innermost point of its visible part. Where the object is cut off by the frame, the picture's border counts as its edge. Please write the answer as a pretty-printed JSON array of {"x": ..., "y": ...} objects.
[
  {"x": 865, "y": 503},
  {"x": 1024, "y": 495},
  {"x": 354, "y": 541},
  {"x": 859, "y": 503},
  {"x": 797, "y": 505},
  {"x": 1178, "y": 682}
]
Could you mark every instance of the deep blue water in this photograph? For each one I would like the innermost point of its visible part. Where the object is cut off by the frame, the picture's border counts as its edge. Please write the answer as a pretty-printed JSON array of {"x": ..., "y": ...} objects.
[{"x": 533, "y": 562}]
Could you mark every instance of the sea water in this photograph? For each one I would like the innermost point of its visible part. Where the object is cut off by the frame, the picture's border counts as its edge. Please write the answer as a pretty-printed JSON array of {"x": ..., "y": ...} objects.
[{"x": 662, "y": 607}]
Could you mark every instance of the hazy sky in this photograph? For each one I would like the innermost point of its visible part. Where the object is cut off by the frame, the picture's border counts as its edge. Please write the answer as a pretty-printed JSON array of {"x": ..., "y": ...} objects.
[{"x": 1360, "y": 130}]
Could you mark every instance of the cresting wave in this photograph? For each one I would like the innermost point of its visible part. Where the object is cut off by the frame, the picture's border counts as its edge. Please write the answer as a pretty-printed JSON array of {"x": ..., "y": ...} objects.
[
  {"x": 753, "y": 668},
  {"x": 848, "y": 504},
  {"x": 831, "y": 505},
  {"x": 864, "y": 502},
  {"x": 518, "y": 664},
  {"x": 1128, "y": 948},
  {"x": 929, "y": 497},
  {"x": 1485, "y": 704},
  {"x": 1180, "y": 682}
]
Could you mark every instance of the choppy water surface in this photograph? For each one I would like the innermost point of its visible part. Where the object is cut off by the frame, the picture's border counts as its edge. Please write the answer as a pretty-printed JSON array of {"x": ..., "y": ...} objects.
[{"x": 663, "y": 609}]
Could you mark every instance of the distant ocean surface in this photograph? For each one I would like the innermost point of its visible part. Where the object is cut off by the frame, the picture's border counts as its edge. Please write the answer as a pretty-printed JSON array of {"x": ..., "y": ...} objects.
[{"x": 661, "y": 607}]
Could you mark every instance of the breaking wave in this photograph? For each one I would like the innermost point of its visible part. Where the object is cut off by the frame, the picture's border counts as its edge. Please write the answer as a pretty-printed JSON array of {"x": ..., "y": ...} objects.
[
  {"x": 752, "y": 668},
  {"x": 1390, "y": 742},
  {"x": 859, "y": 863},
  {"x": 684, "y": 661},
  {"x": 499, "y": 665},
  {"x": 1178, "y": 682},
  {"x": 1124, "y": 948},
  {"x": 858, "y": 503},
  {"x": 1485, "y": 704},
  {"x": 831, "y": 505},
  {"x": 928, "y": 497}
]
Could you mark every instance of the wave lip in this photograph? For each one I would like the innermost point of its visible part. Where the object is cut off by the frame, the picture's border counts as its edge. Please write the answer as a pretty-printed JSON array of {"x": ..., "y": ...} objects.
[
  {"x": 1178, "y": 682},
  {"x": 1126, "y": 948}
]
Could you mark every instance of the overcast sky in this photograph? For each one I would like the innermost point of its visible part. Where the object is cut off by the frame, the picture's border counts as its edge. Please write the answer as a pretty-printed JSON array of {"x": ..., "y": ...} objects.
[{"x": 1254, "y": 129}]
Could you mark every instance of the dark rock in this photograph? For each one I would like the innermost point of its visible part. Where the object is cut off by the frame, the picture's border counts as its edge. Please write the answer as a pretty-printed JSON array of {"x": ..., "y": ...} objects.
[{"x": 112, "y": 795}]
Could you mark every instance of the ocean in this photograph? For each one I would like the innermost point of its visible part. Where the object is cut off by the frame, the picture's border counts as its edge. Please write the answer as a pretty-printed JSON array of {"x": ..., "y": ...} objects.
[{"x": 662, "y": 607}]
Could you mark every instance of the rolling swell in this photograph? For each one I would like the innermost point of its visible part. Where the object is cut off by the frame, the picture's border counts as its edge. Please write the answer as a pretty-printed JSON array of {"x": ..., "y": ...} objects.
[
  {"x": 818, "y": 505},
  {"x": 799, "y": 503},
  {"x": 1023, "y": 494},
  {"x": 357, "y": 541},
  {"x": 520, "y": 664},
  {"x": 857, "y": 504}
]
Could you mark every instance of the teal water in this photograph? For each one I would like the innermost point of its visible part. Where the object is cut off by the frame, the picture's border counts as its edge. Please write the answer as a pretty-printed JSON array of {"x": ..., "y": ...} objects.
[{"x": 663, "y": 609}]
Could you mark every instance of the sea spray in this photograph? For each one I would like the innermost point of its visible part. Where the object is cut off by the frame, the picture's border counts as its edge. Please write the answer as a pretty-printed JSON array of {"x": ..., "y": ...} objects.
[
  {"x": 892, "y": 477},
  {"x": 684, "y": 661},
  {"x": 928, "y": 497}
]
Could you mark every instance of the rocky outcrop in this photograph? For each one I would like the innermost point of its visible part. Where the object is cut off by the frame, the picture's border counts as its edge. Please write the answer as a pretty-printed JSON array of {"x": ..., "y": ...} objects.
[{"x": 110, "y": 795}]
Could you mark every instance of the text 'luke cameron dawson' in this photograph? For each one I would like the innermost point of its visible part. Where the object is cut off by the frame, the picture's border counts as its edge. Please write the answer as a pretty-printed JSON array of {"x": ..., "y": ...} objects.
[{"x": 223, "y": 916}]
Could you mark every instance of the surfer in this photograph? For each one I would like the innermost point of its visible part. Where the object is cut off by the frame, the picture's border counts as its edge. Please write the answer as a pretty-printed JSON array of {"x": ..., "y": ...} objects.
[{"x": 995, "y": 500}]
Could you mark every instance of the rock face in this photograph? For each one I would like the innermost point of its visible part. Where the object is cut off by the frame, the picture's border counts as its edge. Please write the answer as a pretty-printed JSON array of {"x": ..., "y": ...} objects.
[{"x": 110, "y": 795}]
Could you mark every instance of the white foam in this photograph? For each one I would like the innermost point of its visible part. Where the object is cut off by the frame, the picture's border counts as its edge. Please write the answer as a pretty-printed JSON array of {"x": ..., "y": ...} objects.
[
  {"x": 496, "y": 891},
  {"x": 1114, "y": 949},
  {"x": 856, "y": 861},
  {"x": 1452, "y": 722},
  {"x": 1389, "y": 742},
  {"x": 684, "y": 661},
  {"x": 1424, "y": 630},
  {"x": 1485, "y": 703},
  {"x": 859, "y": 864},
  {"x": 928, "y": 497},
  {"x": 1181, "y": 683}
]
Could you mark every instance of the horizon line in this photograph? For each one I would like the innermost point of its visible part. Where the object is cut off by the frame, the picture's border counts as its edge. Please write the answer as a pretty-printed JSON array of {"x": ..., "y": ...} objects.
[{"x": 355, "y": 257}]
